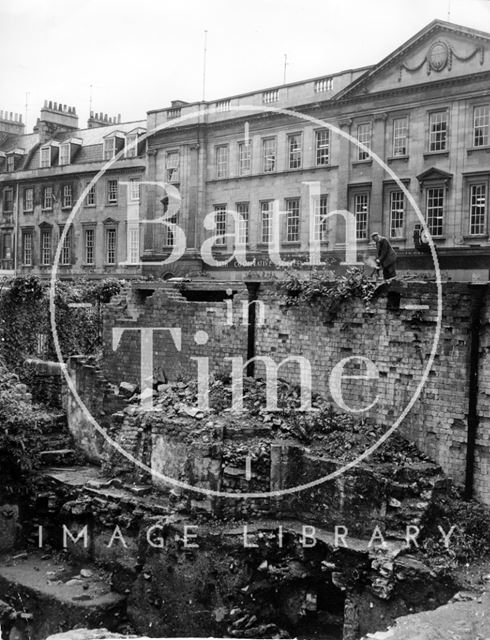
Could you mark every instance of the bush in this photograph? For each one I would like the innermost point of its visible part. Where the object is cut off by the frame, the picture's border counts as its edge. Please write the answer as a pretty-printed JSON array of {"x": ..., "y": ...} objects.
[{"x": 321, "y": 291}]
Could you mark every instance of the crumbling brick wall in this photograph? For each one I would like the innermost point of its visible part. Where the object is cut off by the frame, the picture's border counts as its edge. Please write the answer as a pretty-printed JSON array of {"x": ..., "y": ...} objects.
[
  {"x": 166, "y": 307},
  {"x": 396, "y": 332}
]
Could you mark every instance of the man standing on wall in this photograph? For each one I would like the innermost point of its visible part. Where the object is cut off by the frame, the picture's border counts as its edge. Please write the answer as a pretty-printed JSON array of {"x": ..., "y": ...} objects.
[{"x": 385, "y": 256}]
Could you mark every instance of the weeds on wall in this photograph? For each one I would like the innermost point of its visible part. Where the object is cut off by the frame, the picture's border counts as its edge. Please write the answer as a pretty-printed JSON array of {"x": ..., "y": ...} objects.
[
  {"x": 321, "y": 291},
  {"x": 25, "y": 328}
]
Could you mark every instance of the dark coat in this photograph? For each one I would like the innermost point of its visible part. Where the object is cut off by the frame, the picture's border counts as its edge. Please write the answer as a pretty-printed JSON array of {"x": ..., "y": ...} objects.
[{"x": 386, "y": 255}]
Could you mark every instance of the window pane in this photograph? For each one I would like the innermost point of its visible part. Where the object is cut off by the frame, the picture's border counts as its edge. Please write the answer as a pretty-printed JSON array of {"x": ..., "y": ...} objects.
[
  {"x": 89, "y": 246},
  {"x": 361, "y": 211},
  {"x": 220, "y": 219},
  {"x": 478, "y": 209},
  {"x": 294, "y": 151},
  {"x": 222, "y": 162},
  {"x": 269, "y": 155},
  {"x": 322, "y": 146},
  {"x": 400, "y": 133},
  {"x": 65, "y": 257},
  {"x": 438, "y": 131},
  {"x": 45, "y": 247},
  {"x": 266, "y": 221},
  {"x": 364, "y": 136},
  {"x": 90, "y": 199},
  {"x": 67, "y": 196},
  {"x": 292, "y": 220},
  {"x": 435, "y": 211},
  {"x": 48, "y": 198},
  {"x": 112, "y": 191},
  {"x": 397, "y": 213},
  {"x": 242, "y": 210},
  {"x": 244, "y": 158},
  {"x": 110, "y": 246},
  {"x": 27, "y": 249},
  {"x": 28, "y": 199},
  {"x": 481, "y": 116},
  {"x": 320, "y": 222}
]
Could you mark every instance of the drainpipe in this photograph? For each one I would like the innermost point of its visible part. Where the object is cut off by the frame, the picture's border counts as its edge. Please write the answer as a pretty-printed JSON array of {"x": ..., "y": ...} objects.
[
  {"x": 475, "y": 324},
  {"x": 253, "y": 289}
]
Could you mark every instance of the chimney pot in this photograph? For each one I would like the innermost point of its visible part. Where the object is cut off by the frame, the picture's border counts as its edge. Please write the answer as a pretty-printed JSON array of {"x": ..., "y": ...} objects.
[
  {"x": 45, "y": 104},
  {"x": 119, "y": 117},
  {"x": 50, "y": 105}
]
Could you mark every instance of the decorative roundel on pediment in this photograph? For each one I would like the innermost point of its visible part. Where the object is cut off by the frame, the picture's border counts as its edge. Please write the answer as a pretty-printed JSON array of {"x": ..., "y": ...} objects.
[{"x": 438, "y": 55}]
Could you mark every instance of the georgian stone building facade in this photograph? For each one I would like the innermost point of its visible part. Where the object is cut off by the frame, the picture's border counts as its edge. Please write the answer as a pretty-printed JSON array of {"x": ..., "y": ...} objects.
[
  {"x": 424, "y": 111},
  {"x": 266, "y": 174},
  {"x": 43, "y": 175}
]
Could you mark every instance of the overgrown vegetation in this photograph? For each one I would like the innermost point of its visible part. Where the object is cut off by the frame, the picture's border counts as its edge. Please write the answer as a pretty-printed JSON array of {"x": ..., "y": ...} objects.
[
  {"x": 319, "y": 290},
  {"x": 25, "y": 318},
  {"x": 20, "y": 426},
  {"x": 470, "y": 539}
]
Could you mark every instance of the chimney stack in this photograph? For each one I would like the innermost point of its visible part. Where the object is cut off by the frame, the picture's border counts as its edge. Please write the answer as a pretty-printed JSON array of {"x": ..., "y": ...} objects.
[
  {"x": 11, "y": 123},
  {"x": 102, "y": 120},
  {"x": 55, "y": 117}
]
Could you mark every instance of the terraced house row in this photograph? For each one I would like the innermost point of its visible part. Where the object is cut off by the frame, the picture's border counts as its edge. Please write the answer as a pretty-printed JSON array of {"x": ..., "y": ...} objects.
[{"x": 232, "y": 168}]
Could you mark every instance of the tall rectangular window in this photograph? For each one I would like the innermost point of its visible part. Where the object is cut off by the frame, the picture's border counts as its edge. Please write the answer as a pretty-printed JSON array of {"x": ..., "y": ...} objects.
[
  {"x": 65, "y": 255},
  {"x": 48, "y": 198},
  {"x": 45, "y": 247},
  {"x": 322, "y": 147},
  {"x": 361, "y": 212},
  {"x": 478, "y": 209},
  {"x": 90, "y": 197},
  {"x": 110, "y": 246},
  {"x": 400, "y": 137},
  {"x": 64, "y": 154},
  {"x": 109, "y": 148},
  {"x": 8, "y": 200},
  {"x": 242, "y": 209},
  {"x": 269, "y": 155},
  {"x": 220, "y": 220},
  {"x": 294, "y": 150},
  {"x": 172, "y": 160},
  {"x": 10, "y": 163},
  {"x": 397, "y": 214},
  {"x": 438, "y": 131},
  {"x": 320, "y": 221},
  {"x": 435, "y": 210},
  {"x": 29, "y": 199},
  {"x": 133, "y": 244},
  {"x": 89, "y": 237},
  {"x": 266, "y": 221},
  {"x": 45, "y": 157},
  {"x": 481, "y": 117},
  {"x": 134, "y": 189},
  {"x": 67, "y": 196},
  {"x": 131, "y": 146},
  {"x": 292, "y": 220},
  {"x": 27, "y": 248},
  {"x": 244, "y": 158},
  {"x": 364, "y": 136},
  {"x": 112, "y": 192},
  {"x": 222, "y": 157},
  {"x": 169, "y": 235}
]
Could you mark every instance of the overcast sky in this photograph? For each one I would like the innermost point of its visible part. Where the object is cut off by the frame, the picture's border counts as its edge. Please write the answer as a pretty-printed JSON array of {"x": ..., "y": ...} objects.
[{"x": 139, "y": 55}]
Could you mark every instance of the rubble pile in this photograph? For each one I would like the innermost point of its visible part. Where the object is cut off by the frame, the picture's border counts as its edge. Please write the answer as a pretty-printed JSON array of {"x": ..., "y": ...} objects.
[{"x": 327, "y": 432}]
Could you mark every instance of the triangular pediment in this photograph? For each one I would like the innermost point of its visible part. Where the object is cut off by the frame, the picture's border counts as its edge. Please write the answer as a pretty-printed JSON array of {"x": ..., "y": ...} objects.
[
  {"x": 440, "y": 51},
  {"x": 434, "y": 174}
]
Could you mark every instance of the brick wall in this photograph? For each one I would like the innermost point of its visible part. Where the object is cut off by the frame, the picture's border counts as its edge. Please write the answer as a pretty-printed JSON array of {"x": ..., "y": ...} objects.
[
  {"x": 392, "y": 333},
  {"x": 166, "y": 307}
]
